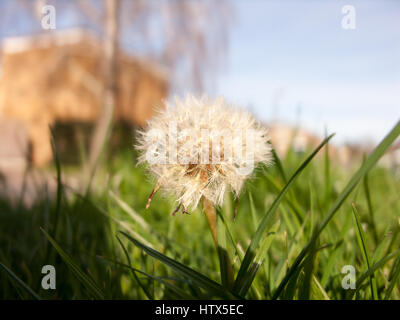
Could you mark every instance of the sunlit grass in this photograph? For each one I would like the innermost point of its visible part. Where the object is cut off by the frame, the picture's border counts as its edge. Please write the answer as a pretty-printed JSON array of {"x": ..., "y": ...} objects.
[{"x": 286, "y": 243}]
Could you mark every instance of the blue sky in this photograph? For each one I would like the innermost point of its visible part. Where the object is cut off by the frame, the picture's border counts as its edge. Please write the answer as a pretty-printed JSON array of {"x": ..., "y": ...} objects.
[{"x": 292, "y": 61}]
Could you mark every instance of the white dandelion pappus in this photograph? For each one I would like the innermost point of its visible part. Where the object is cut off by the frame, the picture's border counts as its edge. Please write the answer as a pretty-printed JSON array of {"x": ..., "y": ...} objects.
[{"x": 201, "y": 148}]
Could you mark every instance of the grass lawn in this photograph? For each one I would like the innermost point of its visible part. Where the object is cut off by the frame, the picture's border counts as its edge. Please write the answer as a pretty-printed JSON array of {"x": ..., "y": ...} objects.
[{"x": 298, "y": 224}]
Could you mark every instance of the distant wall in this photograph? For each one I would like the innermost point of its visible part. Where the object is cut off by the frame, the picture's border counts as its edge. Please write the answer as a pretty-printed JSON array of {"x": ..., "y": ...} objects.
[{"x": 48, "y": 83}]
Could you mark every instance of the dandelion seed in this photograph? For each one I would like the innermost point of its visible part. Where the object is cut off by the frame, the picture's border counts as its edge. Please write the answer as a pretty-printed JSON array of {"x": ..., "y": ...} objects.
[
  {"x": 236, "y": 209},
  {"x": 176, "y": 209},
  {"x": 152, "y": 195},
  {"x": 199, "y": 148}
]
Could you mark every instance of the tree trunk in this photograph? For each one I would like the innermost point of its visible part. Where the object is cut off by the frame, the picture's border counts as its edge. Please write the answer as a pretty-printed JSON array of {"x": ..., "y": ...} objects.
[{"x": 104, "y": 124}]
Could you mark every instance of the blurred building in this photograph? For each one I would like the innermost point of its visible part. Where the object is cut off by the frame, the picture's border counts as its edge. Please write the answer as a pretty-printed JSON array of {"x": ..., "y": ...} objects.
[
  {"x": 391, "y": 158},
  {"x": 285, "y": 137},
  {"x": 56, "y": 77}
]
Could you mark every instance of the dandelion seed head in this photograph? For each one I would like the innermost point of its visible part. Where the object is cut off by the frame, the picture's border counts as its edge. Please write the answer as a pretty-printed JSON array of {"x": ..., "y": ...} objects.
[{"x": 197, "y": 147}]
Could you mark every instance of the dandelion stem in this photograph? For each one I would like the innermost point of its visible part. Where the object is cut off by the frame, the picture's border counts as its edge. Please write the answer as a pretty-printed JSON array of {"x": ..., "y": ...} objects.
[
  {"x": 211, "y": 217},
  {"x": 227, "y": 274}
]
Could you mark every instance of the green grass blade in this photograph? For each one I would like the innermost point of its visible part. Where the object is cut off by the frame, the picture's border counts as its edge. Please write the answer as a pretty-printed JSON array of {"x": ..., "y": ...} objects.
[
  {"x": 230, "y": 235},
  {"x": 89, "y": 283},
  {"x": 375, "y": 267},
  {"x": 308, "y": 268},
  {"x": 126, "y": 208},
  {"x": 370, "y": 208},
  {"x": 146, "y": 292},
  {"x": 204, "y": 282},
  {"x": 334, "y": 253},
  {"x": 290, "y": 248},
  {"x": 328, "y": 185},
  {"x": 367, "y": 165},
  {"x": 255, "y": 241},
  {"x": 317, "y": 285},
  {"x": 59, "y": 183},
  {"x": 226, "y": 270},
  {"x": 299, "y": 214},
  {"x": 278, "y": 164},
  {"x": 13, "y": 276},
  {"x": 290, "y": 290},
  {"x": 393, "y": 280},
  {"x": 253, "y": 211},
  {"x": 382, "y": 246},
  {"x": 364, "y": 250},
  {"x": 178, "y": 291},
  {"x": 265, "y": 245}
]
